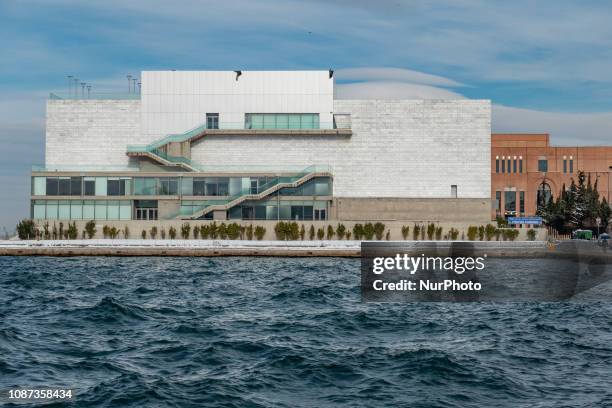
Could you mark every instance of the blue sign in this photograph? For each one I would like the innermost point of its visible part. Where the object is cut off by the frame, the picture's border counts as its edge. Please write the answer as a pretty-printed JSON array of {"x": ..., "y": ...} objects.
[{"x": 525, "y": 220}]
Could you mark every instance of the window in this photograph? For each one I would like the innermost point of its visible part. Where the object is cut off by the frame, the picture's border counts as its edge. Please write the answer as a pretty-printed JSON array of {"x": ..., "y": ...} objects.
[
  {"x": 64, "y": 186},
  {"x": 571, "y": 169},
  {"x": 497, "y": 164},
  {"x": 564, "y": 165},
  {"x": 543, "y": 165},
  {"x": 498, "y": 202},
  {"x": 51, "y": 186},
  {"x": 115, "y": 187},
  {"x": 212, "y": 121},
  {"x": 509, "y": 170},
  {"x": 514, "y": 165},
  {"x": 503, "y": 165},
  {"x": 544, "y": 194},
  {"x": 454, "y": 191},
  {"x": 281, "y": 121},
  {"x": 510, "y": 202},
  {"x": 168, "y": 186},
  {"x": 89, "y": 186},
  {"x": 522, "y": 202},
  {"x": 520, "y": 164}
]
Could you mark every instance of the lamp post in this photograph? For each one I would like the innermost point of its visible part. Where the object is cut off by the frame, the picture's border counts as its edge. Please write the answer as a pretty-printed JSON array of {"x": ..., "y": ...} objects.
[{"x": 129, "y": 78}]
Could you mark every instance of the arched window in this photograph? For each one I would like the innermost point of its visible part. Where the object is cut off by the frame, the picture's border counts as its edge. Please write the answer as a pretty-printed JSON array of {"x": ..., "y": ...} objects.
[{"x": 544, "y": 194}]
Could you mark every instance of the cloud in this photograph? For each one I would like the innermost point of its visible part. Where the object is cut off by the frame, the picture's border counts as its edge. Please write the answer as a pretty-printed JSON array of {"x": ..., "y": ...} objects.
[
  {"x": 566, "y": 129},
  {"x": 393, "y": 74},
  {"x": 392, "y": 90}
]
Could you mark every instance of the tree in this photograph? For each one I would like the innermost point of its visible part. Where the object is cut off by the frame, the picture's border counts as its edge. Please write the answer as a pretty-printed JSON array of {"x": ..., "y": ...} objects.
[{"x": 26, "y": 229}]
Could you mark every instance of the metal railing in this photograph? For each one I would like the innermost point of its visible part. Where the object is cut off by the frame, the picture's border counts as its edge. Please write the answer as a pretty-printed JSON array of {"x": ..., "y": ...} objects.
[{"x": 94, "y": 96}]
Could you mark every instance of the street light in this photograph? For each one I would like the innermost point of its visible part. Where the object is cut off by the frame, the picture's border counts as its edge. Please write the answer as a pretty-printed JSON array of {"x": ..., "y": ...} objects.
[{"x": 129, "y": 78}]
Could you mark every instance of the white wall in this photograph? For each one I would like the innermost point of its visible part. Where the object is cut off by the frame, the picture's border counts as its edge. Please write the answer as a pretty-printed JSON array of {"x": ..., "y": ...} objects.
[
  {"x": 177, "y": 101},
  {"x": 407, "y": 148},
  {"x": 91, "y": 132}
]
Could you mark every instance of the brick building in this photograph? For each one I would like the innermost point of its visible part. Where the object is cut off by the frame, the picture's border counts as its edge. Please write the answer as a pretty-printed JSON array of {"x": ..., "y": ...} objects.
[{"x": 525, "y": 167}]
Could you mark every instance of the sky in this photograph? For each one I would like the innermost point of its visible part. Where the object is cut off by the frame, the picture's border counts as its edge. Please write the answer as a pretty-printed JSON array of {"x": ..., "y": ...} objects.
[{"x": 546, "y": 65}]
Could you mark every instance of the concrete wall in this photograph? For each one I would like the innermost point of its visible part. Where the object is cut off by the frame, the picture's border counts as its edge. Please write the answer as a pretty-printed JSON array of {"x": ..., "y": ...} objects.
[
  {"x": 399, "y": 148},
  {"x": 176, "y": 101},
  {"x": 91, "y": 132},
  {"x": 437, "y": 210}
]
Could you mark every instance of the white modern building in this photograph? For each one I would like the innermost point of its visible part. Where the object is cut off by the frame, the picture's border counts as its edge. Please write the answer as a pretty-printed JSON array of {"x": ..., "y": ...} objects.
[{"x": 261, "y": 145}]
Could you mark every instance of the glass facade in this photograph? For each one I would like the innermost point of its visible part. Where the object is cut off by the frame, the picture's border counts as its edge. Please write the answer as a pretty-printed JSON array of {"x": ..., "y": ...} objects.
[
  {"x": 82, "y": 209},
  {"x": 281, "y": 121},
  {"x": 296, "y": 210}
]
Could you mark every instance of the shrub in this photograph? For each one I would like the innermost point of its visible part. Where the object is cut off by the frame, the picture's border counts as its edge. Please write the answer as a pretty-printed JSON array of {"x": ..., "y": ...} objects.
[
  {"x": 320, "y": 233},
  {"x": 388, "y": 236},
  {"x": 531, "y": 235},
  {"x": 481, "y": 233},
  {"x": 405, "y": 231},
  {"x": 415, "y": 232},
  {"x": 105, "y": 231},
  {"x": 54, "y": 231},
  {"x": 287, "y": 230},
  {"x": 294, "y": 231},
  {"x": 196, "y": 232},
  {"x": 453, "y": 234},
  {"x": 90, "y": 229},
  {"x": 379, "y": 230},
  {"x": 185, "y": 230},
  {"x": 153, "y": 232},
  {"x": 472, "y": 232},
  {"x": 489, "y": 231},
  {"x": 26, "y": 229},
  {"x": 330, "y": 232},
  {"x": 126, "y": 232},
  {"x": 172, "y": 232},
  {"x": 513, "y": 234},
  {"x": 204, "y": 231},
  {"x": 163, "y": 233},
  {"x": 311, "y": 232},
  {"x": 368, "y": 231},
  {"x": 280, "y": 231},
  {"x": 504, "y": 234},
  {"x": 302, "y": 232},
  {"x": 431, "y": 230},
  {"x": 222, "y": 231},
  {"x": 61, "y": 230},
  {"x": 73, "y": 232},
  {"x": 348, "y": 235},
  {"x": 340, "y": 231},
  {"x": 501, "y": 222},
  {"x": 497, "y": 233},
  {"x": 422, "y": 232},
  {"x": 358, "y": 231},
  {"x": 260, "y": 232},
  {"x": 438, "y": 233},
  {"x": 213, "y": 230},
  {"x": 143, "y": 234},
  {"x": 233, "y": 231},
  {"x": 113, "y": 232},
  {"x": 249, "y": 232},
  {"x": 47, "y": 234},
  {"x": 83, "y": 234}
]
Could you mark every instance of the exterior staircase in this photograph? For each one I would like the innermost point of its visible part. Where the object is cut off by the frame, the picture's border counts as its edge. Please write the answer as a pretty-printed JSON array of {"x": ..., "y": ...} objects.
[{"x": 271, "y": 187}]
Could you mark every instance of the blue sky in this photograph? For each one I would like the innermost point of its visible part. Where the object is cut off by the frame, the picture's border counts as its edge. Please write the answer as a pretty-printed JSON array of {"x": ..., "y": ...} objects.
[{"x": 546, "y": 65}]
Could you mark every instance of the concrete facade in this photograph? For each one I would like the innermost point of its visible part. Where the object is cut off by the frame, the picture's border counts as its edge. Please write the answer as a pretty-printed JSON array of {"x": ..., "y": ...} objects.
[
  {"x": 407, "y": 148},
  {"x": 91, "y": 132}
]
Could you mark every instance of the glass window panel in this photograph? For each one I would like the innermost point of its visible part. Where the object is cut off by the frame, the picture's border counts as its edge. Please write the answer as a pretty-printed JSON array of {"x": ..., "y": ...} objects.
[
  {"x": 308, "y": 212},
  {"x": 63, "y": 186},
  {"x": 522, "y": 202},
  {"x": 571, "y": 166},
  {"x": 543, "y": 165},
  {"x": 39, "y": 209},
  {"x": 112, "y": 210},
  {"x": 235, "y": 213},
  {"x": 257, "y": 121},
  {"x": 510, "y": 201},
  {"x": 51, "y": 186},
  {"x": 39, "y": 186},
  {"x": 308, "y": 189},
  {"x": 76, "y": 210},
  {"x": 282, "y": 121},
  {"x": 211, "y": 186},
  {"x": 199, "y": 187},
  {"x": 307, "y": 121},
  {"x": 127, "y": 185},
  {"x": 113, "y": 187},
  {"x": 294, "y": 121},
  {"x": 297, "y": 212},
  {"x": 235, "y": 185},
  {"x": 100, "y": 186},
  {"x": 260, "y": 212},
  {"x": 320, "y": 204},
  {"x": 88, "y": 210},
  {"x": 497, "y": 165},
  {"x": 173, "y": 186},
  {"x": 520, "y": 165},
  {"x": 321, "y": 187},
  {"x": 187, "y": 186},
  {"x": 100, "y": 208},
  {"x": 75, "y": 186},
  {"x": 90, "y": 187},
  {"x": 284, "y": 212},
  {"x": 125, "y": 210},
  {"x": 271, "y": 212},
  {"x": 52, "y": 210},
  {"x": 223, "y": 186},
  {"x": 269, "y": 121}
]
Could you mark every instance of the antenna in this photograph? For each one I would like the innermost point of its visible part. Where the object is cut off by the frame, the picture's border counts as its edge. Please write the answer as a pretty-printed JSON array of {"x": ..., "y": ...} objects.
[
  {"x": 83, "y": 89},
  {"x": 88, "y": 91},
  {"x": 139, "y": 86},
  {"x": 135, "y": 80},
  {"x": 129, "y": 77},
  {"x": 69, "y": 84}
]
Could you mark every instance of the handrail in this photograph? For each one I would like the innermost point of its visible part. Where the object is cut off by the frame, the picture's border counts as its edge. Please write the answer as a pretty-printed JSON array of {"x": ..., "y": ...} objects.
[{"x": 268, "y": 188}]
